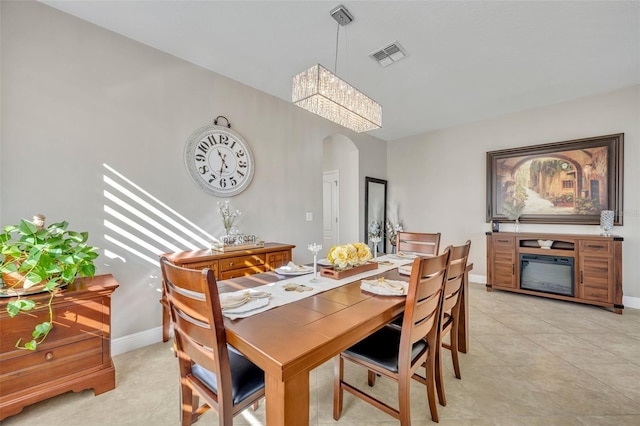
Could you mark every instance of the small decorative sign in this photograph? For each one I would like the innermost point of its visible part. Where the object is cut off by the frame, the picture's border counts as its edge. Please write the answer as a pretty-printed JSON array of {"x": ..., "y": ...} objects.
[{"x": 237, "y": 242}]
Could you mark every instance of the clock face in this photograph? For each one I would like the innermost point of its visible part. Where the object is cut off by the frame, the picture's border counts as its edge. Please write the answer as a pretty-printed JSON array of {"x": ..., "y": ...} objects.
[{"x": 219, "y": 160}]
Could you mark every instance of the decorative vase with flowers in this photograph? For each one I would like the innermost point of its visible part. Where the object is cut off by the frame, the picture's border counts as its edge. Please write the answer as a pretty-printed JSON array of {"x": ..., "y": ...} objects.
[
  {"x": 228, "y": 216},
  {"x": 392, "y": 233}
]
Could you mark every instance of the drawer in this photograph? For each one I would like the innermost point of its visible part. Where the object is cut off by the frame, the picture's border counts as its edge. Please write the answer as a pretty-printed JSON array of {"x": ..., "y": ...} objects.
[
  {"x": 46, "y": 365},
  {"x": 603, "y": 248},
  {"x": 503, "y": 242},
  {"x": 241, "y": 262},
  {"x": 235, "y": 273},
  {"x": 69, "y": 321},
  {"x": 211, "y": 264}
]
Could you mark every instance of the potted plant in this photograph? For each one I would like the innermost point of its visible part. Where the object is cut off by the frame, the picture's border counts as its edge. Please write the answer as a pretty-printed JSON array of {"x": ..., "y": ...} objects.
[{"x": 35, "y": 258}]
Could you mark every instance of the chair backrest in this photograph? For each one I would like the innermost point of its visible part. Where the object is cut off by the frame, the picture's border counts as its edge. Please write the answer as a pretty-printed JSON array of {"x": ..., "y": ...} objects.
[
  {"x": 418, "y": 242},
  {"x": 197, "y": 324},
  {"x": 455, "y": 275},
  {"x": 424, "y": 295}
]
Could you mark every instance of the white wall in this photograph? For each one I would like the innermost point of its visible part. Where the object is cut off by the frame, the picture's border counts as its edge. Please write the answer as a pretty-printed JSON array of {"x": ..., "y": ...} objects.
[
  {"x": 92, "y": 120},
  {"x": 438, "y": 179}
]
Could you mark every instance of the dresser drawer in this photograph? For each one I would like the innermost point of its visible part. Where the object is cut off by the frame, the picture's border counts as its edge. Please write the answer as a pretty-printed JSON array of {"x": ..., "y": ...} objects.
[
  {"x": 241, "y": 262},
  {"x": 603, "y": 248},
  {"x": 47, "y": 365},
  {"x": 242, "y": 272},
  {"x": 211, "y": 264},
  {"x": 69, "y": 321},
  {"x": 502, "y": 243}
]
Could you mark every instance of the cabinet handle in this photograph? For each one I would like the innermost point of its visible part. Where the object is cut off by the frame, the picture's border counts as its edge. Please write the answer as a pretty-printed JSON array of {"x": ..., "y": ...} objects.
[
  {"x": 48, "y": 356},
  {"x": 513, "y": 268},
  {"x": 581, "y": 277},
  {"x": 503, "y": 241},
  {"x": 595, "y": 247}
]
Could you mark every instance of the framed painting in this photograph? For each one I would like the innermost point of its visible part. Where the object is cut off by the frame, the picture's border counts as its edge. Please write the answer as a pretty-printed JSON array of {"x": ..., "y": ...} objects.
[{"x": 567, "y": 182}]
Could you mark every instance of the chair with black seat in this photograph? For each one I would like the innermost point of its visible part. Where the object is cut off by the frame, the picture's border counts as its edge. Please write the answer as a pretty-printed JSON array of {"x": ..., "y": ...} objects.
[
  {"x": 450, "y": 318},
  {"x": 422, "y": 243},
  {"x": 397, "y": 353},
  {"x": 209, "y": 368}
]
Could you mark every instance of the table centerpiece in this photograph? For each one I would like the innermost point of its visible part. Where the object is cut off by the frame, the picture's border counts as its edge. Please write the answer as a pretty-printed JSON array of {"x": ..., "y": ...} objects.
[{"x": 347, "y": 260}]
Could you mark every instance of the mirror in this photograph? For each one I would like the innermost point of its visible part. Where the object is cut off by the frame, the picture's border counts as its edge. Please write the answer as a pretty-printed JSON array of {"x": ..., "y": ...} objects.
[{"x": 375, "y": 212}]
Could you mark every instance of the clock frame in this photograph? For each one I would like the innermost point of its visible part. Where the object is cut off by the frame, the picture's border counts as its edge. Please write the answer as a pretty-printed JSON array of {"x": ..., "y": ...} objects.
[{"x": 219, "y": 160}]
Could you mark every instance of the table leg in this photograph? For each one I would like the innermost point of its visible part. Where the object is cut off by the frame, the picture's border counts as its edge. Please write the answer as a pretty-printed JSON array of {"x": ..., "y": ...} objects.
[
  {"x": 287, "y": 403},
  {"x": 463, "y": 325}
]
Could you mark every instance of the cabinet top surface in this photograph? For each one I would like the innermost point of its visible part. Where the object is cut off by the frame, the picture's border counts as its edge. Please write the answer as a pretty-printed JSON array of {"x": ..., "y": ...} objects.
[
  {"x": 208, "y": 254},
  {"x": 551, "y": 236},
  {"x": 81, "y": 288}
]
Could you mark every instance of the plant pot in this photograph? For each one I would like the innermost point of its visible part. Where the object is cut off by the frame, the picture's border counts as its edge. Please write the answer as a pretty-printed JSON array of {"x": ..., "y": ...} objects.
[
  {"x": 14, "y": 285},
  {"x": 335, "y": 274}
]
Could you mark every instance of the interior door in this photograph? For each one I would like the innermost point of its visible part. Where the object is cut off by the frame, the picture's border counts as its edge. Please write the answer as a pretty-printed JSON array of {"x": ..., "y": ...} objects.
[{"x": 330, "y": 191}]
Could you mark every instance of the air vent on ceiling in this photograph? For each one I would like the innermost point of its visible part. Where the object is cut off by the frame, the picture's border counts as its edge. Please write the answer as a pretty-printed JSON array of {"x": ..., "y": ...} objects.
[{"x": 389, "y": 54}]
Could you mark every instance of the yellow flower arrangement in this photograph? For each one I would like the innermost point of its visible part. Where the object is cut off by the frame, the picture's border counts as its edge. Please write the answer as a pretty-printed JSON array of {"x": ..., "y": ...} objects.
[{"x": 345, "y": 256}]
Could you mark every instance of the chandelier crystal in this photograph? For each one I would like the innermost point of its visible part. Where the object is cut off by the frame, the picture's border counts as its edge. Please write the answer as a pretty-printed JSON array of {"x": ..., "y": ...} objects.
[{"x": 320, "y": 91}]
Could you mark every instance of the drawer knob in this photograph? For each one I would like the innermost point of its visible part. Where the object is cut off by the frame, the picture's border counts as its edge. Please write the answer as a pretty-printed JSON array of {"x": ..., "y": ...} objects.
[
  {"x": 48, "y": 356},
  {"x": 230, "y": 263}
]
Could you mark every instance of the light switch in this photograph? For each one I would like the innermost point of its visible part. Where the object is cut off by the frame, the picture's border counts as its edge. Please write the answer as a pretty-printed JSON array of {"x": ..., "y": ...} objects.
[{"x": 309, "y": 216}]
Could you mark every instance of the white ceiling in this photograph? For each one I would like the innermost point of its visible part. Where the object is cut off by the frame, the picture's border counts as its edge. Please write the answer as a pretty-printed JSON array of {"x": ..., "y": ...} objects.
[{"x": 468, "y": 60}]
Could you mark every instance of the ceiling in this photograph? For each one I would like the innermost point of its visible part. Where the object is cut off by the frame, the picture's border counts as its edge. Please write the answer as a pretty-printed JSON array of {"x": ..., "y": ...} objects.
[{"x": 467, "y": 60}]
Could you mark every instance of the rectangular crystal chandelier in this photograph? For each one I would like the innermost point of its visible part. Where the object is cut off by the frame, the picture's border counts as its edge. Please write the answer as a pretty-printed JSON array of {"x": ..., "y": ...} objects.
[{"x": 322, "y": 92}]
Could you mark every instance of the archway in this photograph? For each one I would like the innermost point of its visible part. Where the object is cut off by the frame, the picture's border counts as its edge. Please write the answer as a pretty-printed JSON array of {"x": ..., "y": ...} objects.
[{"x": 340, "y": 161}]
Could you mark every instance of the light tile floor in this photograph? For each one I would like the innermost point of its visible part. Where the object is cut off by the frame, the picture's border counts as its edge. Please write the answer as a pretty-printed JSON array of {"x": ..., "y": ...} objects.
[{"x": 532, "y": 361}]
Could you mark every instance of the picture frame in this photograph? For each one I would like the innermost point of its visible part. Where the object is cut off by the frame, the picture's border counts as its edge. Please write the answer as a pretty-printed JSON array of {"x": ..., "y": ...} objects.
[{"x": 568, "y": 182}]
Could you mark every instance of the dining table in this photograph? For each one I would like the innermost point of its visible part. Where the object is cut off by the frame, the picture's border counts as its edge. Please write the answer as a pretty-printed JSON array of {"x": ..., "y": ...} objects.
[{"x": 291, "y": 340}]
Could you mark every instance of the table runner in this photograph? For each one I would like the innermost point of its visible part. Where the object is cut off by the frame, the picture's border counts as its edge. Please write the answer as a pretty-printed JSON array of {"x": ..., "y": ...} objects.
[{"x": 280, "y": 296}]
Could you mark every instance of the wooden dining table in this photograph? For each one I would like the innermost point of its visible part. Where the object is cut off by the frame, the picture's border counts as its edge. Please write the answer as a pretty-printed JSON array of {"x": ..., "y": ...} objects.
[{"x": 289, "y": 341}]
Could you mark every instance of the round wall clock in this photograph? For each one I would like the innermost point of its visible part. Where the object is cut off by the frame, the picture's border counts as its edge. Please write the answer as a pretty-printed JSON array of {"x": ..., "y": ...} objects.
[{"x": 219, "y": 160}]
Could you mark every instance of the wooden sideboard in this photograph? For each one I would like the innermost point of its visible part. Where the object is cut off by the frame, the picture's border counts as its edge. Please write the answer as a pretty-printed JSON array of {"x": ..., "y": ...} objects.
[
  {"x": 76, "y": 355},
  {"x": 596, "y": 259},
  {"x": 227, "y": 265}
]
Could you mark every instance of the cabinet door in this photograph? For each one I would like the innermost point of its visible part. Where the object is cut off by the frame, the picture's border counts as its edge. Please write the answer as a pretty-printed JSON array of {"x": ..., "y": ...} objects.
[
  {"x": 502, "y": 261},
  {"x": 277, "y": 259},
  {"x": 596, "y": 271},
  {"x": 504, "y": 268}
]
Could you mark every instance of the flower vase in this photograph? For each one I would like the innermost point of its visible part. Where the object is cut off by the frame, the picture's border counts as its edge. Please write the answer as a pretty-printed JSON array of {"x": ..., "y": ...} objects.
[{"x": 516, "y": 225}]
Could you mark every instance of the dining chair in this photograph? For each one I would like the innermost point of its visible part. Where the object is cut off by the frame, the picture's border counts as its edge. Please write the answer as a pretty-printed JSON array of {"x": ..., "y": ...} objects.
[
  {"x": 209, "y": 368},
  {"x": 397, "y": 353},
  {"x": 450, "y": 317},
  {"x": 418, "y": 242}
]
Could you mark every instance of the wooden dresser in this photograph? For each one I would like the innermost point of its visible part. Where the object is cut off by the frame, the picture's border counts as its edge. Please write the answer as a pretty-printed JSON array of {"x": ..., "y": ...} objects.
[
  {"x": 76, "y": 355},
  {"x": 596, "y": 261},
  {"x": 227, "y": 265}
]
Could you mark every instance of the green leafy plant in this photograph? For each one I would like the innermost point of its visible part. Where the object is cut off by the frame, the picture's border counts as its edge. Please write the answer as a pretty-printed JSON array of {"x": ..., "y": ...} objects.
[{"x": 34, "y": 258}]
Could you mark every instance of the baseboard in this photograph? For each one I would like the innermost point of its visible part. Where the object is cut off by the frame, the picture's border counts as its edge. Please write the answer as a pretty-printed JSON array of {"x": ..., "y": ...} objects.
[
  {"x": 136, "y": 341},
  {"x": 631, "y": 302},
  {"x": 477, "y": 279},
  {"x": 627, "y": 301}
]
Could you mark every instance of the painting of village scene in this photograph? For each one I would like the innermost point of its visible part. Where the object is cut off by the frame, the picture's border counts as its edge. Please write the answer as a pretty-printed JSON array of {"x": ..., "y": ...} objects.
[{"x": 552, "y": 185}]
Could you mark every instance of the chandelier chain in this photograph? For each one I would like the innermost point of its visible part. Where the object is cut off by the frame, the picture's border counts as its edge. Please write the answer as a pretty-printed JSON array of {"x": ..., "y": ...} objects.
[{"x": 335, "y": 66}]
